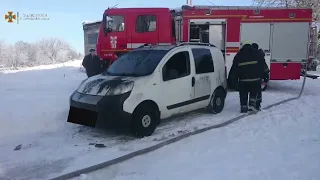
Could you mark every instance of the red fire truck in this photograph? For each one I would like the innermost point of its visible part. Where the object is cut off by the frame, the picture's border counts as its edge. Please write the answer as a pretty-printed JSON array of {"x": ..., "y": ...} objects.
[{"x": 283, "y": 33}]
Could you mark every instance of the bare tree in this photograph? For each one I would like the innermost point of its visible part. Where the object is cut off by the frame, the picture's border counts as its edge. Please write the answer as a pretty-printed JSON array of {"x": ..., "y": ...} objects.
[
  {"x": 52, "y": 47},
  {"x": 314, "y": 4}
]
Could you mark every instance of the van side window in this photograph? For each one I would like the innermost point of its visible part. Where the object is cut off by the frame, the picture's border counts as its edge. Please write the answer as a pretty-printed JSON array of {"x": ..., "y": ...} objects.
[
  {"x": 146, "y": 23},
  {"x": 177, "y": 66},
  {"x": 203, "y": 60}
]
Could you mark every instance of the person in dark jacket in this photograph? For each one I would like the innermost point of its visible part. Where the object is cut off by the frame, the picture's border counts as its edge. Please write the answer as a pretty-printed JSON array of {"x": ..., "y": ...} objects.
[
  {"x": 265, "y": 77},
  {"x": 256, "y": 47},
  {"x": 249, "y": 66},
  {"x": 92, "y": 63}
]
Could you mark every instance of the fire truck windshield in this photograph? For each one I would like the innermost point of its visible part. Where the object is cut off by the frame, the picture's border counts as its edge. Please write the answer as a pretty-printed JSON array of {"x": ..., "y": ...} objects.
[
  {"x": 114, "y": 23},
  {"x": 136, "y": 63}
]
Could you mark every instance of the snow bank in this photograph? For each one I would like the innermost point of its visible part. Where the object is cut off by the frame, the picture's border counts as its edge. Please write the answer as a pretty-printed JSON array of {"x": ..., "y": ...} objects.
[{"x": 74, "y": 63}]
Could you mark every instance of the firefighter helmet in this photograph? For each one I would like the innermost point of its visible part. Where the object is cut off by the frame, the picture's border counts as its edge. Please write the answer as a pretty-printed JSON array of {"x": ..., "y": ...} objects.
[{"x": 244, "y": 43}]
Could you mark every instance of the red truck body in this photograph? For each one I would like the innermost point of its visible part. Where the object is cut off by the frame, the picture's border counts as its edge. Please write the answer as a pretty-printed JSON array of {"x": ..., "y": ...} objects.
[{"x": 283, "y": 33}]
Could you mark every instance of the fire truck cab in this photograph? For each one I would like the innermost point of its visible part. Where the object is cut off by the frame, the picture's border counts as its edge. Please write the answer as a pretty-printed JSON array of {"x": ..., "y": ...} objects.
[
  {"x": 282, "y": 33},
  {"x": 128, "y": 28}
]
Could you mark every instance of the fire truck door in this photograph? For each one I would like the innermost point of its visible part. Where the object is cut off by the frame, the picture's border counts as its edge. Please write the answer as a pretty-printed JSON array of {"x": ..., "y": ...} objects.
[
  {"x": 217, "y": 35},
  {"x": 145, "y": 30},
  {"x": 258, "y": 33}
]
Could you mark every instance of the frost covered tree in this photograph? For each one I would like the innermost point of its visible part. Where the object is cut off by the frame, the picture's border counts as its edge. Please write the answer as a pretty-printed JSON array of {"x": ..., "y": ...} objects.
[
  {"x": 17, "y": 54},
  {"x": 314, "y": 4},
  {"x": 46, "y": 51},
  {"x": 52, "y": 47},
  {"x": 2, "y": 48},
  {"x": 31, "y": 52},
  {"x": 73, "y": 55}
]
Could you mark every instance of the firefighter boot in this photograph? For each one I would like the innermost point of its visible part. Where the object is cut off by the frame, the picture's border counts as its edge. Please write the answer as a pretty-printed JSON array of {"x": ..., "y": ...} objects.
[
  {"x": 259, "y": 105},
  {"x": 244, "y": 109},
  {"x": 254, "y": 105}
]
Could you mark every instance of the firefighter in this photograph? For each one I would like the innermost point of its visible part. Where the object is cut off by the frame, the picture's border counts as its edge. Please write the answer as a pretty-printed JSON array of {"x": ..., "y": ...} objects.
[
  {"x": 256, "y": 47},
  {"x": 92, "y": 63},
  {"x": 248, "y": 64},
  {"x": 265, "y": 77}
]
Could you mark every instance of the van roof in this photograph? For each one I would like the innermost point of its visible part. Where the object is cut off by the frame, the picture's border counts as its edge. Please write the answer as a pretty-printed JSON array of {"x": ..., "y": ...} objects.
[
  {"x": 171, "y": 46},
  {"x": 155, "y": 47}
]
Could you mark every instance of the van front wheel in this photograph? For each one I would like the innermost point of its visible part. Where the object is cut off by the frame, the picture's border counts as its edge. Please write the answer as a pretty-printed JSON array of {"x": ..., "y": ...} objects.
[{"x": 144, "y": 121}]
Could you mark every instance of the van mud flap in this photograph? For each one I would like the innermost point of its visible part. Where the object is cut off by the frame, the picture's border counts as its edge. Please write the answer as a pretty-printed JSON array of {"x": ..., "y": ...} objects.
[{"x": 82, "y": 116}]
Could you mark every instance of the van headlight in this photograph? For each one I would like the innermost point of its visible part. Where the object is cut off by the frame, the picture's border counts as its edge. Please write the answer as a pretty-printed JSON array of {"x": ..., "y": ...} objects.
[
  {"x": 121, "y": 89},
  {"x": 80, "y": 84}
]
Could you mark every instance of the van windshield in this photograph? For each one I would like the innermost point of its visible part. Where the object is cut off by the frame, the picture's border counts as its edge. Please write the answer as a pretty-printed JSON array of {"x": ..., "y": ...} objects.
[{"x": 136, "y": 63}]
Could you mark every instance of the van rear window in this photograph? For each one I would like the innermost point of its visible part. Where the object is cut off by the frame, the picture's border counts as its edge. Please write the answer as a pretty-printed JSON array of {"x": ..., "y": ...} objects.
[{"x": 203, "y": 60}]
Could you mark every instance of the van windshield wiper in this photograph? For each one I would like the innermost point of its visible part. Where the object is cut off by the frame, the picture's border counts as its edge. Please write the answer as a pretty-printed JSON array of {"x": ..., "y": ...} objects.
[{"x": 123, "y": 74}]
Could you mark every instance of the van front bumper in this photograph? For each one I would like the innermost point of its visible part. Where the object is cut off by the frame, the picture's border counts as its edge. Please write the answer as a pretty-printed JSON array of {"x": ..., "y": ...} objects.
[{"x": 98, "y": 111}]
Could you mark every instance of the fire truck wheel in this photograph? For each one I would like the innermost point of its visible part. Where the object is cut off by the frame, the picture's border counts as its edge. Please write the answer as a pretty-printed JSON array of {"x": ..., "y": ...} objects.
[
  {"x": 217, "y": 101},
  {"x": 144, "y": 120}
]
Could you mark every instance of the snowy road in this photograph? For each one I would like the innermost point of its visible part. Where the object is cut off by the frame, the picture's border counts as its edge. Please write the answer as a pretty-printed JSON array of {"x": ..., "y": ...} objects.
[{"x": 34, "y": 109}]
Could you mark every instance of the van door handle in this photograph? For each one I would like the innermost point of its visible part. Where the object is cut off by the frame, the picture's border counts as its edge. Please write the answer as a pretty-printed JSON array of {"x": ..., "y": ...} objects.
[{"x": 193, "y": 81}]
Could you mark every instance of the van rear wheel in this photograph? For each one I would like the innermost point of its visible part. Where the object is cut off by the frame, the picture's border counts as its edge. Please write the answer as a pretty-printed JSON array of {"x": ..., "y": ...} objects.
[
  {"x": 217, "y": 101},
  {"x": 144, "y": 121}
]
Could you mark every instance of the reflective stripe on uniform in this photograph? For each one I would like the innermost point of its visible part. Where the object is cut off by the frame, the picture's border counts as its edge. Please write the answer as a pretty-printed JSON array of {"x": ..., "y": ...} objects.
[
  {"x": 254, "y": 100},
  {"x": 250, "y": 80},
  {"x": 248, "y": 63}
]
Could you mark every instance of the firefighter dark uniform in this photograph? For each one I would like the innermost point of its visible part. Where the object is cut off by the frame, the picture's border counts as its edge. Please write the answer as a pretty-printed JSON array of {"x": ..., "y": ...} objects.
[
  {"x": 265, "y": 76},
  {"x": 266, "y": 68},
  {"x": 249, "y": 70}
]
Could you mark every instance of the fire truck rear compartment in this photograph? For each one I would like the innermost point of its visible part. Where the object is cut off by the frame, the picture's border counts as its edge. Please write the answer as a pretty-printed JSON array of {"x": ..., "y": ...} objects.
[
  {"x": 208, "y": 31},
  {"x": 285, "y": 71}
]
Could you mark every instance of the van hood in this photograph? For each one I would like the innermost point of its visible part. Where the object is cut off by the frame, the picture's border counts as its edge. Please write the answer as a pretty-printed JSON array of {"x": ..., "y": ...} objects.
[{"x": 101, "y": 84}]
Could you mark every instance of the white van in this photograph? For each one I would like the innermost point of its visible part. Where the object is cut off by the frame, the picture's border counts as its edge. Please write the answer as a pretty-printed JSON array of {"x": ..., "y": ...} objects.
[{"x": 151, "y": 83}]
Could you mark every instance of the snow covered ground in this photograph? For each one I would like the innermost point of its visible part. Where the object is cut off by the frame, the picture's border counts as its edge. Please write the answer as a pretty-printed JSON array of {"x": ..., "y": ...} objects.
[
  {"x": 314, "y": 72},
  {"x": 281, "y": 143},
  {"x": 36, "y": 142}
]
